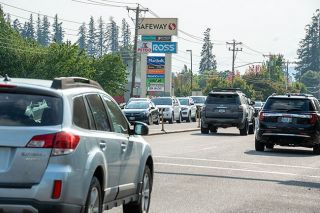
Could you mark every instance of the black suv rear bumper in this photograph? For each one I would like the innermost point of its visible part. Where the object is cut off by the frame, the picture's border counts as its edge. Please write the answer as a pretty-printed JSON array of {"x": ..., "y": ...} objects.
[
  {"x": 34, "y": 206},
  {"x": 222, "y": 122}
]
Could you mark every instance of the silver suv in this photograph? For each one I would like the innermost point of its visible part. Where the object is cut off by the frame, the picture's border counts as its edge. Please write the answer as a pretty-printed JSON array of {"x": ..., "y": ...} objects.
[{"x": 65, "y": 146}]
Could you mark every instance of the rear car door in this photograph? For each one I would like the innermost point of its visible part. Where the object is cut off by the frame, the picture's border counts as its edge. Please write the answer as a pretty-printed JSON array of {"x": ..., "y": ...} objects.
[
  {"x": 130, "y": 154},
  {"x": 107, "y": 142},
  {"x": 24, "y": 119}
]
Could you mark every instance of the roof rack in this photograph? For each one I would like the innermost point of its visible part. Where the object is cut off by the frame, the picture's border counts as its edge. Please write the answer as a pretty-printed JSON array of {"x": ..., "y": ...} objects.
[
  {"x": 299, "y": 94},
  {"x": 226, "y": 90},
  {"x": 74, "y": 82}
]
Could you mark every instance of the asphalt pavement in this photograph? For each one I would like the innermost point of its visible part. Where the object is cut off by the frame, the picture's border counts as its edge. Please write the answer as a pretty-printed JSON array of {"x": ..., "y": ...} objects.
[
  {"x": 173, "y": 128},
  {"x": 223, "y": 173}
]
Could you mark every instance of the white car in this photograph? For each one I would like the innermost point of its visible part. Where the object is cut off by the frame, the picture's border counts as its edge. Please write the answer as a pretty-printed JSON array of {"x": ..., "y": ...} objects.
[
  {"x": 188, "y": 109},
  {"x": 170, "y": 107}
]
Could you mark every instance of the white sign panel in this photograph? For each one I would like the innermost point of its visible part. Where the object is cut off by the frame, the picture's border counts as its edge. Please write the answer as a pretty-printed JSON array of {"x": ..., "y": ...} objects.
[
  {"x": 156, "y": 88},
  {"x": 158, "y": 26},
  {"x": 144, "y": 47}
]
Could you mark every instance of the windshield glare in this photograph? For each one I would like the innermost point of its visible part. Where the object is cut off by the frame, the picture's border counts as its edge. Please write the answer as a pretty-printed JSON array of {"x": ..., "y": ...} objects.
[
  {"x": 137, "y": 105},
  {"x": 162, "y": 101}
]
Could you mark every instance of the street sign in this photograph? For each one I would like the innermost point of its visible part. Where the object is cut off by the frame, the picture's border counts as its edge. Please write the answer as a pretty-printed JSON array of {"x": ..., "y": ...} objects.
[
  {"x": 158, "y": 26},
  {"x": 155, "y": 75},
  {"x": 155, "y": 80},
  {"x": 164, "y": 47},
  {"x": 144, "y": 47},
  {"x": 156, "y": 38},
  {"x": 155, "y": 72},
  {"x": 155, "y": 88},
  {"x": 156, "y": 60},
  {"x": 156, "y": 67}
]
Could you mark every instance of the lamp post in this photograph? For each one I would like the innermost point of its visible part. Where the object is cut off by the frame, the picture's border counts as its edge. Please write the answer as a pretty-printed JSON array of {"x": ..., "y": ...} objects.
[{"x": 191, "y": 68}]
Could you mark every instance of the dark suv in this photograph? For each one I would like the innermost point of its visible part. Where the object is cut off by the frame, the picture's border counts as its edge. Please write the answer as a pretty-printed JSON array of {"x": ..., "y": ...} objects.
[
  {"x": 289, "y": 120},
  {"x": 228, "y": 108}
]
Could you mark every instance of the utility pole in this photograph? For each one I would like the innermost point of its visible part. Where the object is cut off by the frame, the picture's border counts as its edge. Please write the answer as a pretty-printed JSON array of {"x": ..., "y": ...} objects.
[
  {"x": 191, "y": 69},
  {"x": 134, "y": 64},
  {"x": 268, "y": 65},
  {"x": 234, "y": 50}
]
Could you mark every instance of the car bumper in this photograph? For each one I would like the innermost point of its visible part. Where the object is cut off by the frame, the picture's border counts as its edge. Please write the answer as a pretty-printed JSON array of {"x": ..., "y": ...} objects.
[
  {"x": 34, "y": 206},
  {"x": 222, "y": 122},
  {"x": 134, "y": 119}
]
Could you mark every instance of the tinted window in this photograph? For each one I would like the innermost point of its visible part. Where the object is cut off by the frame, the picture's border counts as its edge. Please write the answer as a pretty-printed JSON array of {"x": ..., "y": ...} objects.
[
  {"x": 162, "y": 101},
  {"x": 289, "y": 104},
  {"x": 29, "y": 110},
  {"x": 222, "y": 99},
  {"x": 80, "y": 116},
  {"x": 99, "y": 112},
  {"x": 138, "y": 105},
  {"x": 118, "y": 121}
]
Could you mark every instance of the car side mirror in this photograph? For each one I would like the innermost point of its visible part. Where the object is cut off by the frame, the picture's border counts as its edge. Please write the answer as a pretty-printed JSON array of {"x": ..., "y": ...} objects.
[
  {"x": 141, "y": 128},
  {"x": 252, "y": 103}
]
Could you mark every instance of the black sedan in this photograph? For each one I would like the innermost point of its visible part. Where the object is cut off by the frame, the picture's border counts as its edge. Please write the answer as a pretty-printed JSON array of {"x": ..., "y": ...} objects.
[{"x": 144, "y": 111}]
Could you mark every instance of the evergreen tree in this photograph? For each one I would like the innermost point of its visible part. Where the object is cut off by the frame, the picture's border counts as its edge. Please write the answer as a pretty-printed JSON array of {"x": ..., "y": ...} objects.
[
  {"x": 113, "y": 36},
  {"x": 8, "y": 18},
  {"x": 92, "y": 38},
  {"x": 82, "y": 40},
  {"x": 101, "y": 38},
  {"x": 309, "y": 47},
  {"x": 45, "y": 28},
  {"x": 39, "y": 30},
  {"x": 57, "y": 36},
  {"x": 30, "y": 31},
  {"x": 24, "y": 30},
  {"x": 17, "y": 26},
  {"x": 208, "y": 61}
]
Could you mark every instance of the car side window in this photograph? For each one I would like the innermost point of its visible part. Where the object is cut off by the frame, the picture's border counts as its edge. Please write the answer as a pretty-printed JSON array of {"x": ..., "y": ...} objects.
[
  {"x": 317, "y": 105},
  {"x": 80, "y": 116},
  {"x": 118, "y": 121},
  {"x": 99, "y": 112}
]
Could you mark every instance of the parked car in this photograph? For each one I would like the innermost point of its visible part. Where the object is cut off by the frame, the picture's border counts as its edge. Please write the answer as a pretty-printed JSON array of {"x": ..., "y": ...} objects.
[
  {"x": 289, "y": 120},
  {"x": 78, "y": 154},
  {"x": 144, "y": 111},
  {"x": 227, "y": 108},
  {"x": 170, "y": 107},
  {"x": 138, "y": 99},
  {"x": 199, "y": 101},
  {"x": 257, "y": 107},
  {"x": 188, "y": 109}
]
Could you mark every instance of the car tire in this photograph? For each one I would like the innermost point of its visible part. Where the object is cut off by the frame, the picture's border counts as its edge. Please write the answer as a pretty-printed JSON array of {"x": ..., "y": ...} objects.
[
  {"x": 204, "y": 130},
  {"x": 259, "y": 146},
  {"x": 180, "y": 118},
  {"x": 213, "y": 129},
  {"x": 252, "y": 127},
  {"x": 142, "y": 206},
  {"x": 188, "y": 118},
  {"x": 244, "y": 130},
  {"x": 172, "y": 118},
  {"x": 92, "y": 205},
  {"x": 316, "y": 150},
  {"x": 269, "y": 146},
  {"x": 158, "y": 120},
  {"x": 150, "y": 120}
]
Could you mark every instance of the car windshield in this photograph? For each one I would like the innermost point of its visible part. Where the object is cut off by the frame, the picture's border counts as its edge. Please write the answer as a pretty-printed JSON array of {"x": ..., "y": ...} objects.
[
  {"x": 138, "y": 105},
  {"x": 258, "y": 104},
  {"x": 29, "y": 110},
  {"x": 288, "y": 104},
  {"x": 222, "y": 99},
  {"x": 199, "y": 100},
  {"x": 184, "y": 101},
  {"x": 162, "y": 101}
]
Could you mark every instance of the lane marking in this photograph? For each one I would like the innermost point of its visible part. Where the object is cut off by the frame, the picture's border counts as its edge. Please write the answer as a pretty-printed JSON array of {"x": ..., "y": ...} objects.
[
  {"x": 239, "y": 170},
  {"x": 239, "y": 162}
]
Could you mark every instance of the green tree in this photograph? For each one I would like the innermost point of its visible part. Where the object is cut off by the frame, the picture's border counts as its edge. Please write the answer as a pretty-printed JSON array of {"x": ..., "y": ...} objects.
[
  {"x": 39, "y": 30},
  {"x": 208, "y": 61},
  {"x": 57, "y": 30},
  {"x": 45, "y": 30},
  {"x": 101, "y": 38},
  {"x": 92, "y": 38},
  {"x": 82, "y": 40},
  {"x": 113, "y": 36},
  {"x": 17, "y": 26}
]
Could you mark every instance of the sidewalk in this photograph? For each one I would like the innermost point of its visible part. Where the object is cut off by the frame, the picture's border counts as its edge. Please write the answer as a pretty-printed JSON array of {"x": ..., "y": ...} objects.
[{"x": 173, "y": 128}]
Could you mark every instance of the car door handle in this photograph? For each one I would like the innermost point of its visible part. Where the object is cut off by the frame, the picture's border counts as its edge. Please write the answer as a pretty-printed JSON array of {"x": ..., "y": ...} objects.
[{"x": 103, "y": 146}]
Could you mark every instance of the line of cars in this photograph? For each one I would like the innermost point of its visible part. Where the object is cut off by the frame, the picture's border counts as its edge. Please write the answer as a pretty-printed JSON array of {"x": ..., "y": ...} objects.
[{"x": 172, "y": 109}]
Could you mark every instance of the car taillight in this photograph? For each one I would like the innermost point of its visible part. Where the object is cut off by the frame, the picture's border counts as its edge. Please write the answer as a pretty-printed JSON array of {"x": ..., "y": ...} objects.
[
  {"x": 313, "y": 118},
  {"x": 7, "y": 86},
  {"x": 261, "y": 116},
  {"x": 62, "y": 142}
]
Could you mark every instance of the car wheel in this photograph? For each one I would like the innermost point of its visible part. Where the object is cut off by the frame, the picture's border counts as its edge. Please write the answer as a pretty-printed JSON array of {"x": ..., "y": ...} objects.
[
  {"x": 252, "y": 127},
  {"x": 158, "y": 120},
  {"x": 150, "y": 120},
  {"x": 180, "y": 119},
  {"x": 172, "y": 119},
  {"x": 204, "y": 130},
  {"x": 213, "y": 129},
  {"x": 316, "y": 150},
  {"x": 269, "y": 146},
  {"x": 189, "y": 117},
  {"x": 142, "y": 206},
  {"x": 259, "y": 146},
  {"x": 94, "y": 199},
  {"x": 244, "y": 130}
]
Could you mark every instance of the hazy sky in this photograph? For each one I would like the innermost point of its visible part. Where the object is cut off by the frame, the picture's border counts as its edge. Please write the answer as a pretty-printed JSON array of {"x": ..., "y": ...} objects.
[{"x": 267, "y": 26}]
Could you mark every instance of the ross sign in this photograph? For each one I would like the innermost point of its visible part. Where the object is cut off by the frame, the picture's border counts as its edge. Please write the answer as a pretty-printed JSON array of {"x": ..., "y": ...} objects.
[
  {"x": 164, "y": 47},
  {"x": 155, "y": 72},
  {"x": 158, "y": 26},
  {"x": 156, "y": 38},
  {"x": 144, "y": 47},
  {"x": 156, "y": 60},
  {"x": 155, "y": 75}
]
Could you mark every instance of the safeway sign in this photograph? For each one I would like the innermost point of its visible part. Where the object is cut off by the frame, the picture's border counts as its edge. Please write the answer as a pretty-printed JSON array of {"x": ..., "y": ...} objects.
[{"x": 158, "y": 26}]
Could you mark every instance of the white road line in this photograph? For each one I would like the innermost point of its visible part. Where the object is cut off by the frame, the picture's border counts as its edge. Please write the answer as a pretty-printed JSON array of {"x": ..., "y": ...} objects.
[
  {"x": 239, "y": 162},
  {"x": 239, "y": 170}
]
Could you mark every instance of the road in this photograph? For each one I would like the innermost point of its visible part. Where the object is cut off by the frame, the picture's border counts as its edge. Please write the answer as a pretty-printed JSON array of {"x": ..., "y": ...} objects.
[{"x": 223, "y": 173}]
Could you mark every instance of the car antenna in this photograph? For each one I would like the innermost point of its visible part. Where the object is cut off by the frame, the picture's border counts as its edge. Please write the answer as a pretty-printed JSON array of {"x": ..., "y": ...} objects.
[{"x": 6, "y": 78}]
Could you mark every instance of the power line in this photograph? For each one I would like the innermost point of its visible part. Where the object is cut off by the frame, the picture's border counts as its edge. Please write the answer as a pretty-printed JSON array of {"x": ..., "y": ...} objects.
[
  {"x": 253, "y": 50},
  {"x": 92, "y": 2},
  {"x": 119, "y": 2},
  {"x": 234, "y": 50}
]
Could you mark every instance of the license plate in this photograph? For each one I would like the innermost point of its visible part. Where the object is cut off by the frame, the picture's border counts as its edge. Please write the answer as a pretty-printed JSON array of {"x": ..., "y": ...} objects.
[
  {"x": 222, "y": 110},
  {"x": 131, "y": 118},
  {"x": 286, "y": 120}
]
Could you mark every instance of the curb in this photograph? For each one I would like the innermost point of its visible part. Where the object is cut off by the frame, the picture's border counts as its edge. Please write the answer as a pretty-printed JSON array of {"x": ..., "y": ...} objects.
[{"x": 171, "y": 132}]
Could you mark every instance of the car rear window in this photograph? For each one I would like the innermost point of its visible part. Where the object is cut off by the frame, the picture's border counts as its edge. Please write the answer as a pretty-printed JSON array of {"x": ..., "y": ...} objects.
[
  {"x": 222, "y": 99},
  {"x": 288, "y": 104},
  {"x": 29, "y": 110}
]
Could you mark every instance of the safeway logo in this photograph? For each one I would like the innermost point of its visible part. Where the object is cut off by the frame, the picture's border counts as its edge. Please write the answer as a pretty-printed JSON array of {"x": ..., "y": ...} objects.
[{"x": 172, "y": 26}]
